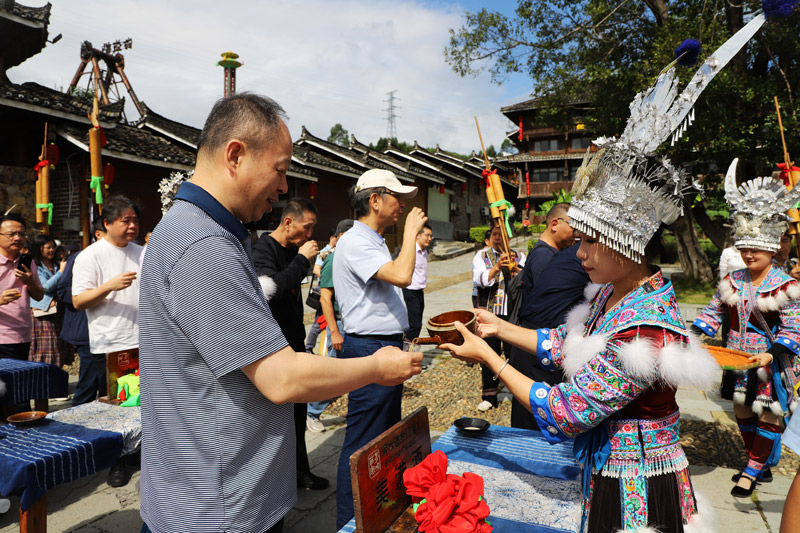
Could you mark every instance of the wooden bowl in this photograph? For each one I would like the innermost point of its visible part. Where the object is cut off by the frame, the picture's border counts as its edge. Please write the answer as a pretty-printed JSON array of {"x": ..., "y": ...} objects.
[
  {"x": 27, "y": 419},
  {"x": 443, "y": 326},
  {"x": 729, "y": 359},
  {"x": 471, "y": 426}
]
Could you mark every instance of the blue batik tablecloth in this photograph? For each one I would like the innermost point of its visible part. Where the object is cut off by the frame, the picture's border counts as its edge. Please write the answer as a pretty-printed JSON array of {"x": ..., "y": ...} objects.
[
  {"x": 126, "y": 421},
  {"x": 27, "y": 380},
  {"x": 530, "y": 485},
  {"x": 34, "y": 460}
]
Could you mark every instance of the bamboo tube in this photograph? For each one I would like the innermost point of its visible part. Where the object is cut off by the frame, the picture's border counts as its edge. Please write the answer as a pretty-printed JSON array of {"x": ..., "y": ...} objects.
[
  {"x": 39, "y": 217},
  {"x": 45, "y": 195},
  {"x": 95, "y": 158}
]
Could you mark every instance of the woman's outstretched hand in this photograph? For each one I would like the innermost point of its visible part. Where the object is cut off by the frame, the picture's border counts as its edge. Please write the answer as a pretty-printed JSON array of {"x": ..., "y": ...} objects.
[
  {"x": 487, "y": 323},
  {"x": 473, "y": 350}
]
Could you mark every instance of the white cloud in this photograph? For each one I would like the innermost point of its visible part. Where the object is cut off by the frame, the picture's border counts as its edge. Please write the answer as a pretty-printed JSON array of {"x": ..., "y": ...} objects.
[{"x": 324, "y": 61}]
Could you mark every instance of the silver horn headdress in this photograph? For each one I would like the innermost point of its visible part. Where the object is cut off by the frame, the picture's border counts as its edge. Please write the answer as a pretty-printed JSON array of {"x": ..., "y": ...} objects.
[
  {"x": 622, "y": 192},
  {"x": 758, "y": 210}
]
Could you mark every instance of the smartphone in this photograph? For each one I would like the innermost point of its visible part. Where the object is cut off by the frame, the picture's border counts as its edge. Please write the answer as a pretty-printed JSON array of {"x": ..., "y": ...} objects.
[{"x": 24, "y": 259}]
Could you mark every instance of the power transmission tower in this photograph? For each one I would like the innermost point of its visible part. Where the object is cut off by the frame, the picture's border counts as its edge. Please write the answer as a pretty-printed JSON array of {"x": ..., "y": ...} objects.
[{"x": 391, "y": 123}]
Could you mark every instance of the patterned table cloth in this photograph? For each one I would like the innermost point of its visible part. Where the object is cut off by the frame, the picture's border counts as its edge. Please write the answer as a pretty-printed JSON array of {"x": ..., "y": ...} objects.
[
  {"x": 126, "y": 421},
  {"x": 530, "y": 485},
  {"x": 36, "y": 459},
  {"x": 27, "y": 380}
]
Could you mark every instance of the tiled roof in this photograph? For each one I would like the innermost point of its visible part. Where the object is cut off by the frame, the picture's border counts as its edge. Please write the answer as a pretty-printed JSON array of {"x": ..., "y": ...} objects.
[
  {"x": 132, "y": 141},
  {"x": 50, "y": 101},
  {"x": 401, "y": 168},
  {"x": 533, "y": 103},
  {"x": 23, "y": 34},
  {"x": 307, "y": 160},
  {"x": 32, "y": 14},
  {"x": 182, "y": 132},
  {"x": 348, "y": 156}
]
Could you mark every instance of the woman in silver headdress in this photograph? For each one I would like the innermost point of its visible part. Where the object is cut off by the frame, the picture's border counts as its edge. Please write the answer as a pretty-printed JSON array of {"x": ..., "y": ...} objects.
[
  {"x": 625, "y": 350},
  {"x": 761, "y": 301}
]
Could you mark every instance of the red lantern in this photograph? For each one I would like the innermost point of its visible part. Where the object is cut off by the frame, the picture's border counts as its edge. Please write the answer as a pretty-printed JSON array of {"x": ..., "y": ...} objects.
[
  {"x": 312, "y": 190},
  {"x": 108, "y": 174},
  {"x": 463, "y": 187},
  {"x": 441, "y": 189},
  {"x": 53, "y": 154}
]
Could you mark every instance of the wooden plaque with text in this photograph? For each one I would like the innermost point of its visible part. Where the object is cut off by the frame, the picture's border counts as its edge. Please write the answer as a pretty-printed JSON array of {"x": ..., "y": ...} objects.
[{"x": 380, "y": 499}]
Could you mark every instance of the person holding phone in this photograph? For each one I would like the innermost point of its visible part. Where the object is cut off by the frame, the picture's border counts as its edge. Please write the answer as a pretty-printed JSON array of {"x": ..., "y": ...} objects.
[
  {"x": 45, "y": 347},
  {"x": 19, "y": 282}
]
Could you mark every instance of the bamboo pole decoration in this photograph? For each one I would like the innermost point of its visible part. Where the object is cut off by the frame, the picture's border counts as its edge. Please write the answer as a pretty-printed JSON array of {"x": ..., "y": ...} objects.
[
  {"x": 497, "y": 201},
  {"x": 43, "y": 204},
  {"x": 794, "y": 178},
  {"x": 95, "y": 155}
]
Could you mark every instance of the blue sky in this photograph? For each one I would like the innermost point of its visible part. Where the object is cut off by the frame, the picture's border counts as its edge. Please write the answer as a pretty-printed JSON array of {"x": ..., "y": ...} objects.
[{"x": 325, "y": 61}]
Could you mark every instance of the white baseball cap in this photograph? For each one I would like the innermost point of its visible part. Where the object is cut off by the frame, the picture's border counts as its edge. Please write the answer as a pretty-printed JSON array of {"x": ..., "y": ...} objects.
[{"x": 384, "y": 178}]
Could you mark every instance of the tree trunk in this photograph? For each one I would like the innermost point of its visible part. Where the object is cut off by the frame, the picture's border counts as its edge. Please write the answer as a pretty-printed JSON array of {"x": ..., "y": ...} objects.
[
  {"x": 714, "y": 231},
  {"x": 659, "y": 10},
  {"x": 694, "y": 262},
  {"x": 735, "y": 18}
]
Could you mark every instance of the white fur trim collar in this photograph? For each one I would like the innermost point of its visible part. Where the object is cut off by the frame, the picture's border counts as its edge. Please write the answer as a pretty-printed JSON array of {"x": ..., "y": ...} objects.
[
  {"x": 577, "y": 316},
  {"x": 591, "y": 290}
]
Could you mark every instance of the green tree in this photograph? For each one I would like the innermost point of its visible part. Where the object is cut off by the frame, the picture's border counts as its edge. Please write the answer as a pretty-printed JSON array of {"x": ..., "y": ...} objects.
[
  {"x": 339, "y": 135},
  {"x": 507, "y": 147},
  {"x": 491, "y": 151},
  {"x": 383, "y": 144},
  {"x": 608, "y": 50}
]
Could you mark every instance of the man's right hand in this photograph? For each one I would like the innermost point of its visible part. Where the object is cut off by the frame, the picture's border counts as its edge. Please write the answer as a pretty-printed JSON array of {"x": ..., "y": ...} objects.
[
  {"x": 414, "y": 222},
  {"x": 396, "y": 366},
  {"x": 123, "y": 281},
  {"x": 337, "y": 340},
  {"x": 309, "y": 249},
  {"x": 9, "y": 295}
]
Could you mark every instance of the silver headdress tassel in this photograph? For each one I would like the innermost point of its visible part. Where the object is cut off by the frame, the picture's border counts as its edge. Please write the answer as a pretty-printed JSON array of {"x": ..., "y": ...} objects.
[
  {"x": 758, "y": 210},
  {"x": 622, "y": 192}
]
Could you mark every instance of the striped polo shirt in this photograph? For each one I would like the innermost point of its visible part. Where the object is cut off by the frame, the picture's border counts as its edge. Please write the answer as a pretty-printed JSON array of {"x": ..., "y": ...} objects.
[{"x": 216, "y": 454}]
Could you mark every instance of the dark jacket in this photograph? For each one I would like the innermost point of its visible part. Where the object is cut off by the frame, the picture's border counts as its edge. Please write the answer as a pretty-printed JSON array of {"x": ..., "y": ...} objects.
[
  {"x": 75, "y": 329},
  {"x": 558, "y": 289},
  {"x": 287, "y": 269}
]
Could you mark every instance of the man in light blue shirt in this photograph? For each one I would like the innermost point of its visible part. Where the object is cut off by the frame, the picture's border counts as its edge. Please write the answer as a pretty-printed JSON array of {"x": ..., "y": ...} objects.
[{"x": 368, "y": 287}]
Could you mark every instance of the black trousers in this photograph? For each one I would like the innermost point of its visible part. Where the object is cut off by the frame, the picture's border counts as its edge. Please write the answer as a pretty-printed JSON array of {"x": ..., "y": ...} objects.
[
  {"x": 527, "y": 364},
  {"x": 488, "y": 382},
  {"x": 300, "y": 413},
  {"x": 415, "y": 302},
  {"x": 92, "y": 376},
  {"x": 15, "y": 351}
]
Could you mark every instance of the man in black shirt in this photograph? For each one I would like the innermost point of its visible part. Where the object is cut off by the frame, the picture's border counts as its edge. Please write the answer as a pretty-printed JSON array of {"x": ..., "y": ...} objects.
[{"x": 286, "y": 256}]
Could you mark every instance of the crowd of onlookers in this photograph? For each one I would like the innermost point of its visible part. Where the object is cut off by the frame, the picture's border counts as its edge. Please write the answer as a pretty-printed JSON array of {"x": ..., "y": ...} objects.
[{"x": 57, "y": 304}]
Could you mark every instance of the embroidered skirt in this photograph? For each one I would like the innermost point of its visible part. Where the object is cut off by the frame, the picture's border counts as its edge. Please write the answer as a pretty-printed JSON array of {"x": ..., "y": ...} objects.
[{"x": 645, "y": 480}]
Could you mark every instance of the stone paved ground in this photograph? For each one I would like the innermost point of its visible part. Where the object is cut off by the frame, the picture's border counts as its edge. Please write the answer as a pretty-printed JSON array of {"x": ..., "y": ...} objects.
[{"x": 91, "y": 506}]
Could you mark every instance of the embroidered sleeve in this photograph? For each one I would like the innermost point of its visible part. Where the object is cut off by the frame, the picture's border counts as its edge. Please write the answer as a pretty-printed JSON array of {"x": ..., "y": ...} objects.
[
  {"x": 548, "y": 348},
  {"x": 789, "y": 324},
  {"x": 599, "y": 389},
  {"x": 710, "y": 318}
]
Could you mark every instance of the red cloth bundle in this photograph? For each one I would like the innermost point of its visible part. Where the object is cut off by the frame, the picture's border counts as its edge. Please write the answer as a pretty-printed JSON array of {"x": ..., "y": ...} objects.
[{"x": 445, "y": 502}]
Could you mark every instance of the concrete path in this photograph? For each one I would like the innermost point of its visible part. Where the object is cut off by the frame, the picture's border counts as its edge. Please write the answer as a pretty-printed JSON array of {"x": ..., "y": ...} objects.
[{"x": 91, "y": 506}]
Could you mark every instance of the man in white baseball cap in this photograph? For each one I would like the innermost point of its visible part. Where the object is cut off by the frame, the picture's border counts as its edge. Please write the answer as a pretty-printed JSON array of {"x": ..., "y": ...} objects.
[
  {"x": 384, "y": 178},
  {"x": 368, "y": 285}
]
